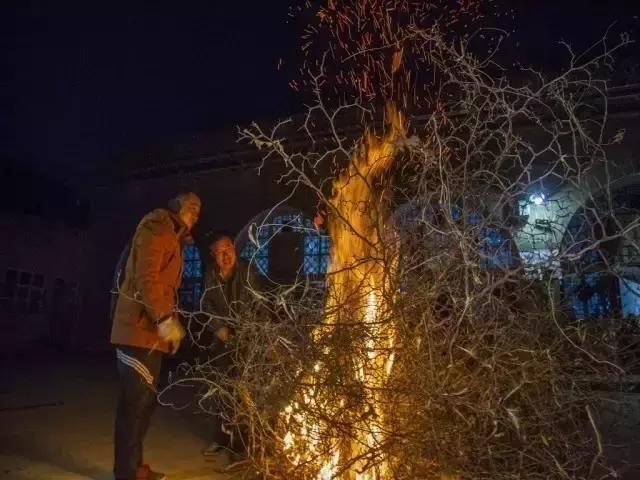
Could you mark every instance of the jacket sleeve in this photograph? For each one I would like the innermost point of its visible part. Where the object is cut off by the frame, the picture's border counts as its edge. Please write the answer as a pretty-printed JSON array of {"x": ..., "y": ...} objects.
[{"x": 157, "y": 298}]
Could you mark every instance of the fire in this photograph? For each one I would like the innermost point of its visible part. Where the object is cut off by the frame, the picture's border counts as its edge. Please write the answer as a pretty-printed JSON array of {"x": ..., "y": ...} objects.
[{"x": 358, "y": 296}]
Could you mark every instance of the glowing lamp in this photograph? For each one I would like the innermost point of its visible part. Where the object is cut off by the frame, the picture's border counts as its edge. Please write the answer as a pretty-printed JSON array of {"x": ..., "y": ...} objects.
[{"x": 537, "y": 198}]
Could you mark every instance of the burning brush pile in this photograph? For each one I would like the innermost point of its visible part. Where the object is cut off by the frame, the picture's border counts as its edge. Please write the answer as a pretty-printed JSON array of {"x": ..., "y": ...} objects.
[{"x": 429, "y": 352}]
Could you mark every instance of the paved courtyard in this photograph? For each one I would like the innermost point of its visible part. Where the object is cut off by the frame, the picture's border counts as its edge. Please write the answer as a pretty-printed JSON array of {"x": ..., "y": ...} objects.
[
  {"x": 57, "y": 412},
  {"x": 56, "y": 422}
]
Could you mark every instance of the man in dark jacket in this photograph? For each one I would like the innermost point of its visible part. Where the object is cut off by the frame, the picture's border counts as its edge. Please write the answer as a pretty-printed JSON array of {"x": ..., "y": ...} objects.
[
  {"x": 229, "y": 283},
  {"x": 146, "y": 326}
]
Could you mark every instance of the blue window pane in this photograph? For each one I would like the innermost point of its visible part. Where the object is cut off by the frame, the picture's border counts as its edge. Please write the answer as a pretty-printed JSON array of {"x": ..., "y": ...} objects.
[
  {"x": 316, "y": 254},
  {"x": 311, "y": 245},
  {"x": 312, "y": 264},
  {"x": 262, "y": 264},
  {"x": 324, "y": 264},
  {"x": 248, "y": 250},
  {"x": 325, "y": 244},
  {"x": 258, "y": 257},
  {"x": 315, "y": 249},
  {"x": 629, "y": 297},
  {"x": 586, "y": 296},
  {"x": 192, "y": 267},
  {"x": 187, "y": 272},
  {"x": 264, "y": 233},
  {"x": 191, "y": 278},
  {"x": 197, "y": 293}
]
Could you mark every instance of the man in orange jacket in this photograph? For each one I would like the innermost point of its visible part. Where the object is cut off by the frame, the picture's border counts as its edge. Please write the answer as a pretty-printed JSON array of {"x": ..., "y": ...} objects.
[{"x": 146, "y": 326}]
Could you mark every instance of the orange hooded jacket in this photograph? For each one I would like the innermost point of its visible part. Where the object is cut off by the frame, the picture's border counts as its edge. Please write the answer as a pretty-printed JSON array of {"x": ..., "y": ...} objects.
[{"x": 152, "y": 276}]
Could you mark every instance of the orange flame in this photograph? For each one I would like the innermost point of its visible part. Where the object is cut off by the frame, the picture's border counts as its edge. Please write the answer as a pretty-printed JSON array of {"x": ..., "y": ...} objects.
[{"x": 358, "y": 294}]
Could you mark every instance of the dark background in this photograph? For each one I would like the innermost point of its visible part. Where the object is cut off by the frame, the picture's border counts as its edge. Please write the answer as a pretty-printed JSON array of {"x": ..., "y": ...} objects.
[{"x": 87, "y": 82}]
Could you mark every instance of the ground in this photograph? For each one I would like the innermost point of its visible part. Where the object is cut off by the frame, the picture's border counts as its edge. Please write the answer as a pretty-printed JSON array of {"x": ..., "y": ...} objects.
[
  {"x": 56, "y": 422},
  {"x": 57, "y": 412}
]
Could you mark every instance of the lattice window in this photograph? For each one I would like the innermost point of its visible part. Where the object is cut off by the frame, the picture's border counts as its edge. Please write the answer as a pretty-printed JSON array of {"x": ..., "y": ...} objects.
[
  {"x": 589, "y": 295},
  {"x": 316, "y": 254},
  {"x": 192, "y": 264},
  {"x": 260, "y": 259},
  {"x": 316, "y": 245},
  {"x": 191, "y": 288}
]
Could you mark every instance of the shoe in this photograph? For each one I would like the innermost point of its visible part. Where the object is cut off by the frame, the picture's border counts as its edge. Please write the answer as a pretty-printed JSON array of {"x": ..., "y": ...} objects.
[
  {"x": 145, "y": 473},
  {"x": 212, "y": 449}
]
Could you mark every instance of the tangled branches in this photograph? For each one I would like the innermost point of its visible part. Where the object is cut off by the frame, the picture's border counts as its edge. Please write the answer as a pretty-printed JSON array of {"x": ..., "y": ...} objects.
[{"x": 432, "y": 350}]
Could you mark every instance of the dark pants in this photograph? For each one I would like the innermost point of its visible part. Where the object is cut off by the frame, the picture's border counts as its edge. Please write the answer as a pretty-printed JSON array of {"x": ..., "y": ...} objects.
[
  {"x": 221, "y": 357},
  {"x": 138, "y": 370}
]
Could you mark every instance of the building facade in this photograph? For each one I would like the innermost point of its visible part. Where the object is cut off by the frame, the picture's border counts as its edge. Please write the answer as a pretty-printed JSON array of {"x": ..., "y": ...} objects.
[
  {"x": 238, "y": 190},
  {"x": 42, "y": 265}
]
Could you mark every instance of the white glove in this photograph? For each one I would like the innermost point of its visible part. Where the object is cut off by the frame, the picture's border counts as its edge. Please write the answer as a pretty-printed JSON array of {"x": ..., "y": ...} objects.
[{"x": 172, "y": 332}]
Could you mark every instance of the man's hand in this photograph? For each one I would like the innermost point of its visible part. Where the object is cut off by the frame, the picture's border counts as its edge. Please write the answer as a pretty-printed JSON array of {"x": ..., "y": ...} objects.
[
  {"x": 172, "y": 332},
  {"x": 223, "y": 334}
]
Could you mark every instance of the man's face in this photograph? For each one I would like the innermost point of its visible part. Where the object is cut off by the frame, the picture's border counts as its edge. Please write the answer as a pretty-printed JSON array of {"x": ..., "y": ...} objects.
[
  {"x": 224, "y": 253},
  {"x": 189, "y": 214}
]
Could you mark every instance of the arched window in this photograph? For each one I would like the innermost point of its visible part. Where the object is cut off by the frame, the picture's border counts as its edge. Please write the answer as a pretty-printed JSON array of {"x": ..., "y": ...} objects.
[
  {"x": 263, "y": 234},
  {"x": 284, "y": 237},
  {"x": 191, "y": 288}
]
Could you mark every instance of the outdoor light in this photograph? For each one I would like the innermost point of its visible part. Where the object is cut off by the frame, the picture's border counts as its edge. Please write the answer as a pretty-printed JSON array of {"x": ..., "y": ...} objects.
[{"x": 537, "y": 198}]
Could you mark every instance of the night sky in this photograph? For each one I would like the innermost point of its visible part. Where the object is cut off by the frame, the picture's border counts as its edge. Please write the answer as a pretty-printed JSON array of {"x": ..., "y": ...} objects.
[{"x": 88, "y": 81}]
